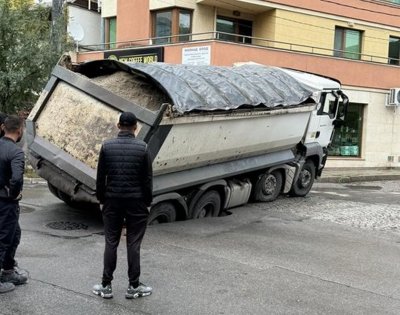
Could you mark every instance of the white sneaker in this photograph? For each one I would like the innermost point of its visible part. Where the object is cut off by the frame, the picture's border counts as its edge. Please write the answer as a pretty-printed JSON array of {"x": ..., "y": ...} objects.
[
  {"x": 104, "y": 292},
  {"x": 141, "y": 290}
]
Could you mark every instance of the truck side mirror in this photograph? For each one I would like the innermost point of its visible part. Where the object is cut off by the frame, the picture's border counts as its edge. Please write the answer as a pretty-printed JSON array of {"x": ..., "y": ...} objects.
[{"x": 342, "y": 110}]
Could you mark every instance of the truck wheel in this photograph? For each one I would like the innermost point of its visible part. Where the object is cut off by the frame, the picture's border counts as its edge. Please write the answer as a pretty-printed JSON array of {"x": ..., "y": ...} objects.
[
  {"x": 305, "y": 181},
  {"x": 67, "y": 199},
  {"x": 163, "y": 212},
  {"x": 80, "y": 205},
  {"x": 268, "y": 187},
  {"x": 61, "y": 195},
  {"x": 53, "y": 190},
  {"x": 209, "y": 205}
]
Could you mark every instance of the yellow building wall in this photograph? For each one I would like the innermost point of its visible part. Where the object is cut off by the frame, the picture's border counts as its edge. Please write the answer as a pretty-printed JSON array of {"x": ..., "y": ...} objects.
[
  {"x": 264, "y": 27},
  {"x": 304, "y": 32},
  {"x": 375, "y": 43},
  {"x": 316, "y": 34},
  {"x": 203, "y": 22}
]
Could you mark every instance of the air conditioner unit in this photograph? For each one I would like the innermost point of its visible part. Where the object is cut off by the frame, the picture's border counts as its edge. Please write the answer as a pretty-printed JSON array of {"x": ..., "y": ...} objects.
[{"x": 394, "y": 97}]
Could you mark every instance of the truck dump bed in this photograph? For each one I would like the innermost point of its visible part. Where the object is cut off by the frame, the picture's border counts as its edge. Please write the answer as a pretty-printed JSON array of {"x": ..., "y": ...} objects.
[{"x": 200, "y": 122}]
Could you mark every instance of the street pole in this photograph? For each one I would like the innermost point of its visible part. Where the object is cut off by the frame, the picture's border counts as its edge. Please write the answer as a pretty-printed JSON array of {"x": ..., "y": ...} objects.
[{"x": 56, "y": 14}]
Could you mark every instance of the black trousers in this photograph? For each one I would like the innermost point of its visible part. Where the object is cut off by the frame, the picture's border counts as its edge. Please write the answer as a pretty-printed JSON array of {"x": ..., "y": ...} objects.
[
  {"x": 134, "y": 212},
  {"x": 10, "y": 233}
]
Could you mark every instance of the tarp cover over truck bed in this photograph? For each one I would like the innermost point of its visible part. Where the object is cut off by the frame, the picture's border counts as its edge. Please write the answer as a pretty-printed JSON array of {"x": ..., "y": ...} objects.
[{"x": 208, "y": 88}]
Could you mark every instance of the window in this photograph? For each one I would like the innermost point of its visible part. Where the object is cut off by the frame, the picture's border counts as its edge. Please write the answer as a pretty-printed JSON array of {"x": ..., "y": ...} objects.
[
  {"x": 185, "y": 19},
  {"x": 163, "y": 26},
  {"x": 347, "y": 139},
  {"x": 173, "y": 25},
  {"x": 329, "y": 105},
  {"x": 394, "y": 50},
  {"x": 234, "y": 26},
  {"x": 347, "y": 43},
  {"x": 110, "y": 31}
]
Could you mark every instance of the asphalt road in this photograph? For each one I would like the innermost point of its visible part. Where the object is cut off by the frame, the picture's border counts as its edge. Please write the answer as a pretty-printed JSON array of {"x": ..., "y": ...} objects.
[{"x": 333, "y": 252}]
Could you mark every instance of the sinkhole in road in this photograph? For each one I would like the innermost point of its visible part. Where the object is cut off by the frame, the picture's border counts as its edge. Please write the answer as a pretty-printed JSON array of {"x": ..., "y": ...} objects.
[
  {"x": 25, "y": 209},
  {"x": 67, "y": 226},
  {"x": 362, "y": 187}
]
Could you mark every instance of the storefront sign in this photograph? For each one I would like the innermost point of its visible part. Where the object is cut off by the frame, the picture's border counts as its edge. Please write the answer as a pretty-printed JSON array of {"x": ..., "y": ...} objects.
[
  {"x": 196, "y": 55},
  {"x": 143, "y": 55}
]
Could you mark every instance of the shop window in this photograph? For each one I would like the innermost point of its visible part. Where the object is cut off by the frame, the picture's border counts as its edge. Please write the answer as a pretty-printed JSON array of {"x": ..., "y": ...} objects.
[
  {"x": 394, "y": 50},
  {"x": 110, "y": 31},
  {"x": 347, "y": 139},
  {"x": 347, "y": 43},
  {"x": 174, "y": 25},
  {"x": 235, "y": 27}
]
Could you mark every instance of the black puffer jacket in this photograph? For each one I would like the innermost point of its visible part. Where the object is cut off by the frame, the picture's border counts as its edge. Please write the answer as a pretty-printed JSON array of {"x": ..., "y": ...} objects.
[
  {"x": 124, "y": 169},
  {"x": 12, "y": 163}
]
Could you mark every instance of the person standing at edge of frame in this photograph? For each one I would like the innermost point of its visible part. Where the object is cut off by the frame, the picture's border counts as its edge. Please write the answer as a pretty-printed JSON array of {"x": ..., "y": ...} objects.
[
  {"x": 124, "y": 187},
  {"x": 12, "y": 164},
  {"x": 2, "y": 119}
]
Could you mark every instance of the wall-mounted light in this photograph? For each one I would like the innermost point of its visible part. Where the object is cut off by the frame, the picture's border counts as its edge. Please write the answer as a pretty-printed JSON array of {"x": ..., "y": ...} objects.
[{"x": 236, "y": 13}]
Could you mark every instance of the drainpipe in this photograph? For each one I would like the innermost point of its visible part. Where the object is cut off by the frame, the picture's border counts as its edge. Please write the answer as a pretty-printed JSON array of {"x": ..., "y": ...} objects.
[
  {"x": 215, "y": 23},
  {"x": 102, "y": 33}
]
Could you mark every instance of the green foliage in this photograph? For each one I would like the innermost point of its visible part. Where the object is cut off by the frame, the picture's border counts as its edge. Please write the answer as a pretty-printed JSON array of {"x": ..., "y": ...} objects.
[{"x": 29, "y": 49}]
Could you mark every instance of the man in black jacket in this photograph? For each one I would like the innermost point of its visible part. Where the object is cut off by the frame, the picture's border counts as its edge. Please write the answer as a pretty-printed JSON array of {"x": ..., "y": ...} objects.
[
  {"x": 124, "y": 188},
  {"x": 12, "y": 163}
]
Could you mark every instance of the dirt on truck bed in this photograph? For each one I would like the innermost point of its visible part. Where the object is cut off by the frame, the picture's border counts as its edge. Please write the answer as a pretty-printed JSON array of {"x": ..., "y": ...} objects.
[
  {"x": 133, "y": 89},
  {"x": 78, "y": 123}
]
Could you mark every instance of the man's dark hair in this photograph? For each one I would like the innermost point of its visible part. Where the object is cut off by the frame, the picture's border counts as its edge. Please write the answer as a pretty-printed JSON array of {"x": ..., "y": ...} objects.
[
  {"x": 127, "y": 119},
  {"x": 12, "y": 123}
]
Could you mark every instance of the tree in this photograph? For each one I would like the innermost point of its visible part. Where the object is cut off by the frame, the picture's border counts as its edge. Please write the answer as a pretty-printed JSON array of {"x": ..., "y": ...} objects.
[{"x": 28, "y": 51}]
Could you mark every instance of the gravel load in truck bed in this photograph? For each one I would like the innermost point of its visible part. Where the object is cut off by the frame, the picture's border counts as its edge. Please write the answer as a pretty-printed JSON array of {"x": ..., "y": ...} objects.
[{"x": 134, "y": 89}]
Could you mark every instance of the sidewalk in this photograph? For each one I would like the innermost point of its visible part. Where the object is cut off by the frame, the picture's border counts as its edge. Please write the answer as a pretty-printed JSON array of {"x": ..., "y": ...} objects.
[{"x": 347, "y": 175}]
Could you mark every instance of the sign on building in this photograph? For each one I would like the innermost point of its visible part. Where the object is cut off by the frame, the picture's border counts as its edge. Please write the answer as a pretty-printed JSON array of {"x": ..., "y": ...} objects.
[
  {"x": 143, "y": 55},
  {"x": 200, "y": 55}
]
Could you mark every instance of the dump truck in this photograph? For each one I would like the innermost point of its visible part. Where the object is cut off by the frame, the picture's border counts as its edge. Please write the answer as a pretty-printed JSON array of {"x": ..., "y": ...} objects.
[{"x": 219, "y": 137}]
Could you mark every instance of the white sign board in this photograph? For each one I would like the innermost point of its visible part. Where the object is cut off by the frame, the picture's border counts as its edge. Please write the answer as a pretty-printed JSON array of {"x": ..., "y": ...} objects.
[{"x": 200, "y": 55}]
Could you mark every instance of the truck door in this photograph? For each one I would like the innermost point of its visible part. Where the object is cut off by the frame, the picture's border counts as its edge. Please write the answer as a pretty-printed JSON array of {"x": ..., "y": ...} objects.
[{"x": 326, "y": 117}]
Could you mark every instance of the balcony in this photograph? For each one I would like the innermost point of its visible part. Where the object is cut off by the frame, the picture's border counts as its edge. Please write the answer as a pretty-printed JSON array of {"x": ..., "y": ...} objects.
[{"x": 359, "y": 71}]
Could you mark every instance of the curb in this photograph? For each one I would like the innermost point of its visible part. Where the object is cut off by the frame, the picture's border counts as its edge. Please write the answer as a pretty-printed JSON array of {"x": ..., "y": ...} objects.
[{"x": 340, "y": 179}]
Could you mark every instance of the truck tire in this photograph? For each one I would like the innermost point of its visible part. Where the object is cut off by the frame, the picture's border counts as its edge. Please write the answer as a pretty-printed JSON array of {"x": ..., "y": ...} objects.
[
  {"x": 209, "y": 205},
  {"x": 305, "y": 181},
  {"x": 268, "y": 187},
  {"x": 164, "y": 212},
  {"x": 53, "y": 190},
  {"x": 67, "y": 199}
]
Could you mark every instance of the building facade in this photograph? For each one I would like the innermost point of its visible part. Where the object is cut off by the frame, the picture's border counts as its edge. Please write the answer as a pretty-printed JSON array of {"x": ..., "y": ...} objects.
[{"x": 354, "y": 41}]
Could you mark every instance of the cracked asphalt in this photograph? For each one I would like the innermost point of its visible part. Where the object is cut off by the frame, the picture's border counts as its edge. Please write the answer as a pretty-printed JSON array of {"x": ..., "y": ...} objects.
[{"x": 334, "y": 252}]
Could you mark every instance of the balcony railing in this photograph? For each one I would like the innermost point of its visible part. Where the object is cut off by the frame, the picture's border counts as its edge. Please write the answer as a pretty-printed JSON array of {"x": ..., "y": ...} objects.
[{"x": 239, "y": 39}]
